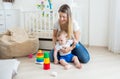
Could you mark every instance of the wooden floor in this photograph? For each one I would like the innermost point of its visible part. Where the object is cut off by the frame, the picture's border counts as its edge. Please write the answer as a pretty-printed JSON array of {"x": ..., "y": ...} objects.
[{"x": 103, "y": 65}]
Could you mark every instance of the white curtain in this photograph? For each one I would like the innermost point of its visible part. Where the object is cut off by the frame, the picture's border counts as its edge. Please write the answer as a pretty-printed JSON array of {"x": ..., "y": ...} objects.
[{"x": 114, "y": 24}]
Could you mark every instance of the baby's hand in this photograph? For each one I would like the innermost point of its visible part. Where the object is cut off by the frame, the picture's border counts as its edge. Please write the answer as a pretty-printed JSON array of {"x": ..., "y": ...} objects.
[{"x": 56, "y": 61}]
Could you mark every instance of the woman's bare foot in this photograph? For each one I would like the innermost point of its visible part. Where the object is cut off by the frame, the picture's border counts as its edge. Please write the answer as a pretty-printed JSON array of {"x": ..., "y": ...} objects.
[{"x": 67, "y": 66}]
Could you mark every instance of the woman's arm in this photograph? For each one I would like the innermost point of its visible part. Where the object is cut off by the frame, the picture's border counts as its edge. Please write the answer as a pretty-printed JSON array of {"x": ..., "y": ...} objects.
[
  {"x": 65, "y": 50},
  {"x": 76, "y": 36}
]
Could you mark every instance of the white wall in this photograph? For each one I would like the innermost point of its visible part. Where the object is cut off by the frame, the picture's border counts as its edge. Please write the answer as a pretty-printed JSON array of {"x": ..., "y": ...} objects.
[
  {"x": 114, "y": 26},
  {"x": 98, "y": 22},
  {"x": 1, "y": 4},
  {"x": 27, "y": 5}
]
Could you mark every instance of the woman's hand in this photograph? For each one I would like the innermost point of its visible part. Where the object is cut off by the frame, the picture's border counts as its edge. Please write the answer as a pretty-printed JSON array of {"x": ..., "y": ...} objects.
[
  {"x": 75, "y": 41},
  {"x": 65, "y": 50}
]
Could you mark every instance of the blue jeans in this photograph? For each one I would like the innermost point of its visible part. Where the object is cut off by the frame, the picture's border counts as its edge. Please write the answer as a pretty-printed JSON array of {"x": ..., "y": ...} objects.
[{"x": 80, "y": 51}]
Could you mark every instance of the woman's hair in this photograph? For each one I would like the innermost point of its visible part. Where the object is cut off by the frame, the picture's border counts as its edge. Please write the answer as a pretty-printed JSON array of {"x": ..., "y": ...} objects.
[{"x": 66, "y": 9}]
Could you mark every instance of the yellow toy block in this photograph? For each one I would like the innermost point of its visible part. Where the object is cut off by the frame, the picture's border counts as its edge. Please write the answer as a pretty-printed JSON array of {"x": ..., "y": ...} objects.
[{"x": 46, "y": 60}]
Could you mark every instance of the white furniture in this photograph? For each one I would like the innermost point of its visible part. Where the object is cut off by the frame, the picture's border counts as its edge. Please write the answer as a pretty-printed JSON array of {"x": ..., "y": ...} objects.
[
  {"x": 8, "y": 18},
  {"x": 42, "y": 25}
]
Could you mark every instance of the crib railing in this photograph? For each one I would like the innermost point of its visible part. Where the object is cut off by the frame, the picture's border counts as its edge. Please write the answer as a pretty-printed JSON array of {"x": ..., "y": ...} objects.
[{"x": 40, "y": 23}]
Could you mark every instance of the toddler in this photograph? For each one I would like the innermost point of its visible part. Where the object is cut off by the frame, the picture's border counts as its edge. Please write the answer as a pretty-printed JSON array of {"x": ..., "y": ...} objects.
[{"x": 65, "y": 58}]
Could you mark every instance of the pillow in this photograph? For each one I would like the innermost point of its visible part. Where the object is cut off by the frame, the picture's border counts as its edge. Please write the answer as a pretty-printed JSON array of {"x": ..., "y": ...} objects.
[
  {"x": 8, "y": 68},
  {"x": 18, "y": 34},
  {"x": 6, "y": 39}
]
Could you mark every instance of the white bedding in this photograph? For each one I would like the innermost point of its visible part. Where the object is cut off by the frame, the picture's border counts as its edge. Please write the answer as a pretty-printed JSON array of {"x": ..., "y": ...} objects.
[{"x": 8, "y": 68}]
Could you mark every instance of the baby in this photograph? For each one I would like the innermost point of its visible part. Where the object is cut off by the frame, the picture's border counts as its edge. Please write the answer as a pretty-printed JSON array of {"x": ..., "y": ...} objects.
[{"x": 65, "y": 58}]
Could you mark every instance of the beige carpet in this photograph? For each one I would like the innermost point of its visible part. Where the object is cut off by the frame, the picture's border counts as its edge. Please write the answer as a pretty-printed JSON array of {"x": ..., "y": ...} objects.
[{"x": 103, "y": 65}]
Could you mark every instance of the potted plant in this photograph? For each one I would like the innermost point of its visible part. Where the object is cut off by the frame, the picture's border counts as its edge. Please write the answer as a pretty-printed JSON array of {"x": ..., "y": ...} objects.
[{"x": 7, "y": 4}]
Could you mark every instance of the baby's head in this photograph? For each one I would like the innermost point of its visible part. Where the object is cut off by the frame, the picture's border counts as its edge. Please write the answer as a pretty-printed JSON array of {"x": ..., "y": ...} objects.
[{"x": 62, "y": 37}]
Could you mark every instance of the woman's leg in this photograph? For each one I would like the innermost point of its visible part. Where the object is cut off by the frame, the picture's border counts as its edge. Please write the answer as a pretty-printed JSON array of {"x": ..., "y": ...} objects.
[
  {"x": 51, "y": 55},
  {"x": 81, "y": 52}
]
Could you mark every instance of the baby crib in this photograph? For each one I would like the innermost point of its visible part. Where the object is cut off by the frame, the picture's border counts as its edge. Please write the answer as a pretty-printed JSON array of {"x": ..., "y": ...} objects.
[{"x": 40, "y": 23}]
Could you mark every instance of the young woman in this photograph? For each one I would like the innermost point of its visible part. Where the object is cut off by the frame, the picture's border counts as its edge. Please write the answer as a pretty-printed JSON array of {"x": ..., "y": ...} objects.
[{"x": 66, "y": 23}]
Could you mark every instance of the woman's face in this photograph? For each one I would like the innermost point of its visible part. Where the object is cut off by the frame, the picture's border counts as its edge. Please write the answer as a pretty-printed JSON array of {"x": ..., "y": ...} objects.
[{"x": 63, "y": 18}]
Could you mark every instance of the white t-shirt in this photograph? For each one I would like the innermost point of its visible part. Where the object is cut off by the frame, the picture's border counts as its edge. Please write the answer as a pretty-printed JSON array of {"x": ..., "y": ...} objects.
[
  {"x": 58, "y": 47},
  {"x": 75, "y": 26}
]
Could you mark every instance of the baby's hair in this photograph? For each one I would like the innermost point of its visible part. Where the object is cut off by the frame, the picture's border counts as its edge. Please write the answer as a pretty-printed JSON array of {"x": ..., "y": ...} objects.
[{"x": 62, "y": 33}]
